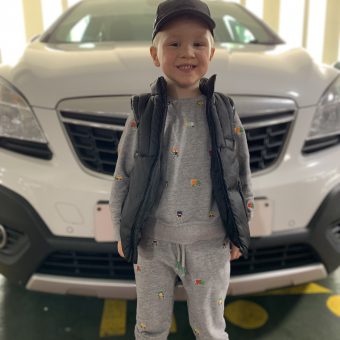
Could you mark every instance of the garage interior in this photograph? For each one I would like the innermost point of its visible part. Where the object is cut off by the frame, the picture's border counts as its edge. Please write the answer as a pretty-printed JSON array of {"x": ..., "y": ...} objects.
[
  {"x": 304, "y": 312},
  {"x": 309, "y": 311}
]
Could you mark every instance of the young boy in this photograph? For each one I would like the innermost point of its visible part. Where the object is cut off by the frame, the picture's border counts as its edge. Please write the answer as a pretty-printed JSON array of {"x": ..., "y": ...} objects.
[{"x": 181, "y": 196}]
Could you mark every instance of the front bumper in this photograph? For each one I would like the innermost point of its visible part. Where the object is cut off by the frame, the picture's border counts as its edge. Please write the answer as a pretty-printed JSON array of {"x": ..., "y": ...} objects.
[
  {"x": 39, "y": 260},
  {"x": 117, "y": 289}
]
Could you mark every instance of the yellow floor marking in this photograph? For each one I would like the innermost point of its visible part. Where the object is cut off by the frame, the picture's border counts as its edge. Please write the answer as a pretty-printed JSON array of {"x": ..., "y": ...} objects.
[
  {"x": 309, "y": 288},
  {"x": 333, "y": 303},
  {"x": 114, "y": 318},
  {"x": 246, "y": 314},
  {"x": 173, "y": 328}
]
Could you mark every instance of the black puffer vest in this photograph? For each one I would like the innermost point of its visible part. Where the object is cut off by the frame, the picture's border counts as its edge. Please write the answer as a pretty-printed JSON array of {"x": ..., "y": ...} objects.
[{"x": 145, "y": 179}]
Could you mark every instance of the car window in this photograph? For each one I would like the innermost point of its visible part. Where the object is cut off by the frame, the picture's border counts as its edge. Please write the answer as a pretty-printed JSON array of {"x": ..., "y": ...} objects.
[
  {"x": 237, "y": 31},
  {"x": 131, "y": 20}
]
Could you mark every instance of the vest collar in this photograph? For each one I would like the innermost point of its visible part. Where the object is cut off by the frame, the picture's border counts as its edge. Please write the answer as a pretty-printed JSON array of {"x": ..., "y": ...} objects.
[
  {"x": 206, "y": 86},
  {"x": 159, "y": 86}
]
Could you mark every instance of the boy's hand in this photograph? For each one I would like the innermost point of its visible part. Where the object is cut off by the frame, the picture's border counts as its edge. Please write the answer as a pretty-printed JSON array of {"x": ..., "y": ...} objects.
[
  {"x": 120, "y": 249},
  {"x": 235, "y": 252}
]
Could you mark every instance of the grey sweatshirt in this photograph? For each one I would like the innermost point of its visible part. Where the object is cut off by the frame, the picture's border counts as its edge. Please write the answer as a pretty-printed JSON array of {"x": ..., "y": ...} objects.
[{"x": 186, "y": 210}]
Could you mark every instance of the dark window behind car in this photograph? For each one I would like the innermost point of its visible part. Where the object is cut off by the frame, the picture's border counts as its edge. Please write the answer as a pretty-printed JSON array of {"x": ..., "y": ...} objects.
[{"x": 98, "y": 21}]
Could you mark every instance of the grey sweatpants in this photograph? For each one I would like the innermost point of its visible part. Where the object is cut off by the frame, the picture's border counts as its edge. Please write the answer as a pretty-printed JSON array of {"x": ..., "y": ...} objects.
[{"x": 204, "y": 268}]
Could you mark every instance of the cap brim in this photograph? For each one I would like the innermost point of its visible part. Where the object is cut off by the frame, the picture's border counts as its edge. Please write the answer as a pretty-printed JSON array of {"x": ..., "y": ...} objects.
[{"x": 197, "y": 14}]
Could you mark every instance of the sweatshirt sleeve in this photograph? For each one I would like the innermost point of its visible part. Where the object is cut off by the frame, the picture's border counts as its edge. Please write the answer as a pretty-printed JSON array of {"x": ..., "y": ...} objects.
[
  {"x": 244, "y": 165},
  {"x": 125, "y": 162}
]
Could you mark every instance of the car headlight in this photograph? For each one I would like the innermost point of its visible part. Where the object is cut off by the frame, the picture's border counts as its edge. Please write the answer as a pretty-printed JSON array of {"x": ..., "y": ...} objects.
[
  {"x": 326, "y": 121},
  {"x": 17, "y": 120}
]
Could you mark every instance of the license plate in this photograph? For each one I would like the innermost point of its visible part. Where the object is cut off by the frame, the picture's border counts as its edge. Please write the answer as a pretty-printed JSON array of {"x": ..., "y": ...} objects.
[
  {"x": 261, "y": 223},
  {"x": 103, "y": 227}
]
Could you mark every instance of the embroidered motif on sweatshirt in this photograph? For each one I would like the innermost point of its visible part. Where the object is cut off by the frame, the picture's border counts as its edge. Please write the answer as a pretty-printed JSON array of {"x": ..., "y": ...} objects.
[
  {"x": 118, "y": 178},
  {"x": 219, "y": 301},
  {"x": 211, "y": 214},
  {"x": 195, "y": 182},
  {"x": 199, "y": 282},
  {"x": 189, "y": 124},
  {"x": 133, "y": 124},
  {"x": 174, "y": 150},
  {"x": 200, "y": 102},
  {"x": 225, "y": 243},
  {"x": 161, "y": 295},
  {"x": 239, "y": 130},
  {"x": 250, "y": 204},
  {"x": 179, "y": 214},
  {"x": 138, "y": 268},
  {"x": 196, "y": 331}
]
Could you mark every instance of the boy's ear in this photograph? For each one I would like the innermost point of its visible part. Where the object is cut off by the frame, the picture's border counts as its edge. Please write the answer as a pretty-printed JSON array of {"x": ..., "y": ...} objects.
[
  {"x": 153, "y": 53},
  {"x": 212, "y": 52}
]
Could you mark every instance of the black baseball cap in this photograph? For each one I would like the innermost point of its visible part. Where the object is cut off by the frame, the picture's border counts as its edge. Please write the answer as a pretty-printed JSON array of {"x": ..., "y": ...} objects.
[{"x": 170, "y": 9}]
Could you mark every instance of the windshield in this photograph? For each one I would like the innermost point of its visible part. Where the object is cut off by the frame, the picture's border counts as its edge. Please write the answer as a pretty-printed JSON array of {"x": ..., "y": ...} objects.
[{"x": 98, "y": 21}]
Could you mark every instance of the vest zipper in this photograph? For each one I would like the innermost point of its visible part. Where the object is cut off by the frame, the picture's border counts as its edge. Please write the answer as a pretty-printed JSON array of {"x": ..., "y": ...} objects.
[{"x": 221, "y": 176}]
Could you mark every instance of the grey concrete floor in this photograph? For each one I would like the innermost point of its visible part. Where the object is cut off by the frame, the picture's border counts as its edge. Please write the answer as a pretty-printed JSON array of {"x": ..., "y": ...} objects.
[{"x": 307, "y": 312}]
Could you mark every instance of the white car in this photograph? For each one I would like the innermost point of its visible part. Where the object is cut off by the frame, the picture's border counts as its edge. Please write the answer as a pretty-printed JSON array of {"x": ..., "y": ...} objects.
[{"x": 62, "y": 110}]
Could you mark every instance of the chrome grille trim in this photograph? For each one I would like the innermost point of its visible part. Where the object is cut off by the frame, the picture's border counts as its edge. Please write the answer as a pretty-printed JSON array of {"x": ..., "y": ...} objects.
[
  {"x": 119, "y": 106},
  {"x": 270, "y": 122},
  {"x": 286, "y": 119},
  {"x": 91, "y": 124},
  {"x": 250, "y": 106}
]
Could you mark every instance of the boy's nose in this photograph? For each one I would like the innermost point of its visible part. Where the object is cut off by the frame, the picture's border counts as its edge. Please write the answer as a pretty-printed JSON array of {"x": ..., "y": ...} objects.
[{"x": 187, "y": 51}]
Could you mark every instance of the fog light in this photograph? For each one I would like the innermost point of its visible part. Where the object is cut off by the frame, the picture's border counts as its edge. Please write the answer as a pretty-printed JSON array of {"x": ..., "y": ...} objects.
[{"x": 3, "y": 237}]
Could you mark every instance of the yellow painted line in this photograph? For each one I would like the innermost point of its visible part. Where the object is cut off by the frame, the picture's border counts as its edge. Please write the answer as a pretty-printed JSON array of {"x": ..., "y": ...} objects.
[
  {"x": 246, "y": 314},
  {"x": 114, "y": 318},
  {"x": 333, "y": 304},
  {"x": 173, "y": 328},
  {"x": 309, "y": 288}
]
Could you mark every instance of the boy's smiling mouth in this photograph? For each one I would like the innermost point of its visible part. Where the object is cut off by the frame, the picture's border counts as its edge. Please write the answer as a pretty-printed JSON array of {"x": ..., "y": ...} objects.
[{"x": 186, "y": 67}]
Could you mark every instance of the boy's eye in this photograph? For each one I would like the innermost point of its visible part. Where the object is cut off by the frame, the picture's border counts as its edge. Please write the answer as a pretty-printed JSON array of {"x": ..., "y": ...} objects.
[
  {"x": 199, "y": 44},
  {"x": 174, "y": 44}
]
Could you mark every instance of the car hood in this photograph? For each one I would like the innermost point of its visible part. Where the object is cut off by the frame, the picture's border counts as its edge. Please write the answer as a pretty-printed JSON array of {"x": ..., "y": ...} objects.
[{"x": 47, "y": 74}]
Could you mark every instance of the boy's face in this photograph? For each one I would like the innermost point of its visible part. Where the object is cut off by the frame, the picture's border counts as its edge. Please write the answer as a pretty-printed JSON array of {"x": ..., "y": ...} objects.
[{"x": 183, "y": 51}]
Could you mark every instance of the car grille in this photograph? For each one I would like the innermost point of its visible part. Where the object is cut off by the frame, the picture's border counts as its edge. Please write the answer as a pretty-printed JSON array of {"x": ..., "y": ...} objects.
[
  {"x": 96, "y": 147},
  {"x": 111, "y": 266},
  {"x": 95, "y": 139},
  {"x": 265, "y": 143}
]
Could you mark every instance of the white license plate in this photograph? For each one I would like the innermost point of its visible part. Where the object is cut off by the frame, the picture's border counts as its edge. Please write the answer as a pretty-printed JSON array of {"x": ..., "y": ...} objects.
[
  {"x": 103, "y": 227},
  {"x": 261, "y": 223}
]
